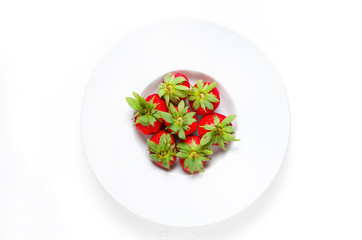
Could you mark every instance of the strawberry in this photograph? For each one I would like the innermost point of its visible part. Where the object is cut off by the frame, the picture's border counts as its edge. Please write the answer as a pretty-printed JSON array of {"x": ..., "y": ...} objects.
[
  {"x": 147, "y": 118},
  {"x": 174, "y": 87},
  {"x": 217, "y": 129},
  {"x": 204, "y": 97},
  {"x": 161, "y": 104},
  {"x": 162, "y": 149},
  {"x": 180, "y": 120},
  {"x": 193, "y": 154}
]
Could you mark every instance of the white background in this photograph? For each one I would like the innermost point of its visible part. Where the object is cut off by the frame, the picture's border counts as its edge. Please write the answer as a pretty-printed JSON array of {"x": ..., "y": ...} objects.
[{"x": 47, "y": 53}]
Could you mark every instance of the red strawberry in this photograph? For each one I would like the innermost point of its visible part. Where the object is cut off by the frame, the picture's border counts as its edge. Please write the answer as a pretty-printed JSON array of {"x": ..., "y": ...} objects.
[
  {"x": 149, "y": 129},
  {"x": 147, "y": 117},
  {"x": 162, "y": 149},
  {"x": 193, "y": 154},
  {"x": 161, "y": 104},
  {"x": 209, "y": 120},
  {"x": 174, "y": 88},
  {"x": 217, "y": 129},
  {"x": 204, "y": 97},
  {"x": 180, "y": 120}
]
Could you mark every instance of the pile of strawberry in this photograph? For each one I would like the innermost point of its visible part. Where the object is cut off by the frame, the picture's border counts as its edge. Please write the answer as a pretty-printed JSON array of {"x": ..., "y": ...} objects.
[{"x": 166, "y": 116}]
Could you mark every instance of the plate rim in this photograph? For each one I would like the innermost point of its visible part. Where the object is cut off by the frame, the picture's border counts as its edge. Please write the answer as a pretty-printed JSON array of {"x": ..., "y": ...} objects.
[{"x": 176, "y": 20}]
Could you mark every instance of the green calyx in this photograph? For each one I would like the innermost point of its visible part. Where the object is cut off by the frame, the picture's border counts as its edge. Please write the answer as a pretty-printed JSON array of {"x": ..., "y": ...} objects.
[
  {"x": 220, "y": 133},
  {"x": 201, "y": 95},
  {"x": 194, "y": 155},
  {"x": 164, "y": 151},
  {"x": 146, "y": 112},
  {"x": 172, "y": 90},
  {"x": 180, "y": 120}
]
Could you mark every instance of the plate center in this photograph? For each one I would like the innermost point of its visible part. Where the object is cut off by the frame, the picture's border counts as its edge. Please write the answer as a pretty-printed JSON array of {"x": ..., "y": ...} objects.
[{"x": 226, "y": 108}]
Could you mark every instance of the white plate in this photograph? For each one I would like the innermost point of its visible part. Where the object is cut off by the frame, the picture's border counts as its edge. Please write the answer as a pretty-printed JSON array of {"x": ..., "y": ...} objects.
[{"x": 250, "y": 87}]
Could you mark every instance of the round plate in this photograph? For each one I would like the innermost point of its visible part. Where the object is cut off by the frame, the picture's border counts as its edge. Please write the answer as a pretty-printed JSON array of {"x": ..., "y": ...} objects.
[{"x": 250, "y": 87}]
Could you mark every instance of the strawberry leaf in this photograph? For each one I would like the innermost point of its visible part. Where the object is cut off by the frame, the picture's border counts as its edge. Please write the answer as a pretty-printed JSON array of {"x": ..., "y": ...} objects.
[
  {"x": 210, "y": 87},
  {"x": 133, "y": 103},
  {"x": 229, "y": 129},
  {"x": 191, "y": 98},
  {"x": 166, "y": 163},
  {"x": 181, "y": 155},
  {"x": 184, "y": 146},
  {"x": 180, "y": 93},
  {"x": 182, "y": 88},
  {"x": 167, "y": 78},
  {"x": 161, "y": 92},
  {"x": 174, "y": 128},
  {"x": 211, "y": 98},
  {"x": 203, "y": 105},
  {"x": 143, "y": 120},
  {"x": 228, "y": 120},
  {"x": 206, "y": 152},
  {"x": 181, "y": 133},
  {"x": 208, "y": 127},
  {"x": 221, "y": 143},
  {"x": 216, "y": 120},
  {"x": 200, "y": 84},
  {"x": 167, "y": 98},
  {"x": 179, "y": 80},
  {"x": 166, "y": 116},
  {"x": 196, "y": 104},
  {"x": 193, "y": 165},
  {"x": 172, "y": 109},
  {"x": 157, "y": 114},
  {"x": 135, "y": 115},
  {"x": 206, "y": 139},
  {"x": 155, "y": 158},
  {"x": 229, "y": 137},
  {"x": 151, "y": 120},
  {"x": 181, "y": 106},
  {"x": 136, "y": 96},
  {"x": 190, "y": 115},
  {"x": 163, "y": 141},
  {"x": 208, "y": 105},
  {"x": 152, "y": 145},
  {"x": 190, "y": 121}
]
